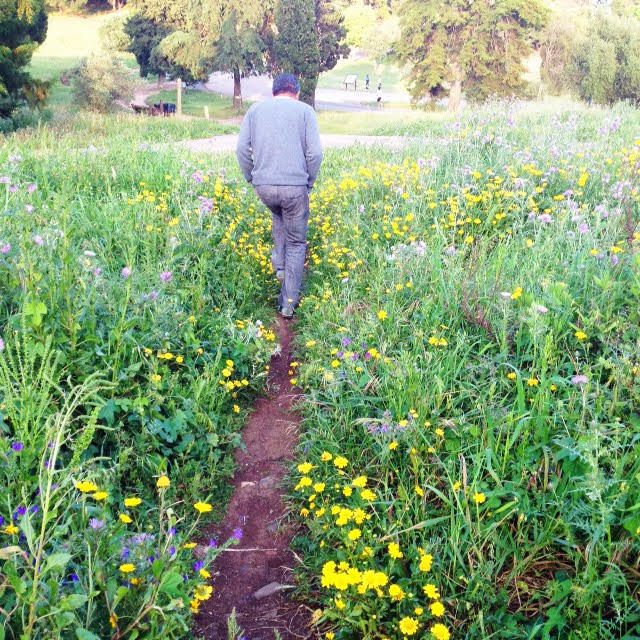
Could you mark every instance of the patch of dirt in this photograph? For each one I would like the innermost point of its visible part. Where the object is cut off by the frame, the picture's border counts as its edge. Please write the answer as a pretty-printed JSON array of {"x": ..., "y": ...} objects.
[{"x": 263, "y": 556}]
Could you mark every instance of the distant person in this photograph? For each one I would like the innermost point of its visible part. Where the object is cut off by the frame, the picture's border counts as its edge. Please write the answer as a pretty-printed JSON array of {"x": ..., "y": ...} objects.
[
  {"x": 280, "y": 153},
  {"x": 366, "y": 82},
  {"x": 379, "y": 98},
  {"x": 379, "y": 84}
]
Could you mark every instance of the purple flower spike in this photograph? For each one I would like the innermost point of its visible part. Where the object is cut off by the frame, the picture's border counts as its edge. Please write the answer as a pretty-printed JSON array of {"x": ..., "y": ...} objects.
[
  {"x": 126, "y": 272},
  {"x": 17, "y": 446},
  {"x": 31, "y": 188},
  {"x": 237, "y": 534},
  {"x": 213, "y": 543},
  {"x": 166, "y": 276},
  {"x": 96, "y": 524},
  {"x": 38, "y": 240},
  {"x": 5, "y": 248},
  {"x": 1, "y": 344}
]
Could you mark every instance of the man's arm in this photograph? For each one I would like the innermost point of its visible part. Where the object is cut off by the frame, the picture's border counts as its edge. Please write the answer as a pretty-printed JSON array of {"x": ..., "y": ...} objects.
[
  {"x": 313, "y": 147},
  {"x": 243, "y": 148}
]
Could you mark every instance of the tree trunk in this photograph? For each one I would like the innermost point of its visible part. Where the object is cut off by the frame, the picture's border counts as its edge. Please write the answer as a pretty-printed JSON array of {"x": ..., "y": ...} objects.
[
  {"x": 455, "y": 92},
  {"x": 237, "y": 89},
  {"x": 161, "y": 81}
]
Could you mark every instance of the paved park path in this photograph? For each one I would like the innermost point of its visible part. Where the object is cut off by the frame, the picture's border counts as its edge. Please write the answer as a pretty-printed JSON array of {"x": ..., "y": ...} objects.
[{"x": 227, "y": 143}]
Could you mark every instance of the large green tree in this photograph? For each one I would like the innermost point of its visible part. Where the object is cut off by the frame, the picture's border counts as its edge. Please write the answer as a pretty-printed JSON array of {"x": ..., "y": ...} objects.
[
  {"x": 309, "y": 39},
  {"x": 145, "y": 37},
  {"x": 205, "y": 36},
  {"x": 473, "y": 45},
  {"x": 23, "y": 26},
  {"x": 239, "y": 50}
]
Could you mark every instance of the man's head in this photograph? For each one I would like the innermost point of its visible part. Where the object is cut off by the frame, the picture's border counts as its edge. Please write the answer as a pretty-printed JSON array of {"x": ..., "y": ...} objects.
[{"x": 286, "y": 84}]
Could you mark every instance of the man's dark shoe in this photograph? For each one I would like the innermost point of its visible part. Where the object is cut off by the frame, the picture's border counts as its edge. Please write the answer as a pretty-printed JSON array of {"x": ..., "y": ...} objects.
[{"x": 287, "y": 311}]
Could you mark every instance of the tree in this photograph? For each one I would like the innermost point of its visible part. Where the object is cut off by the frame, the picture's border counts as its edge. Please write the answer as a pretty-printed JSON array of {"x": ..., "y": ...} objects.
[
  {"x": 23, "y": 26},
  {"x": 605, "y": 64},
  {"x": 199, "y": 37},
  {"x": 295, "y": 49},
  {"x": 146, "y": 36},
  {"x": 240, "y": 51},
  {"x": 476, "y": 45},
  {"x": 310, "y": 39}
]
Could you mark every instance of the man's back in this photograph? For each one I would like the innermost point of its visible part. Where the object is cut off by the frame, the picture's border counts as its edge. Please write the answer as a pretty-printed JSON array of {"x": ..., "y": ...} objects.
[{"x": 282, "y": 136}]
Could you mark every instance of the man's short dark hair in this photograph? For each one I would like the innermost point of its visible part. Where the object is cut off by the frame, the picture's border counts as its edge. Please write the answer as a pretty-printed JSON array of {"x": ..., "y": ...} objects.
[{"x": 286, "y": 83}]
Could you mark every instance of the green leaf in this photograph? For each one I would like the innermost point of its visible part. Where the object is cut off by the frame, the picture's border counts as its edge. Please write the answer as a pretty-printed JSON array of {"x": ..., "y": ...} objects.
[
  {"x": 83, "y": 634},
  {"x": 35, "y": 310},
  {"x": 56, "y": 561},
  {"x": 7, "y": 552},
  {"x": 170, "y": 584},
  {"x": 72, "y": 601}
]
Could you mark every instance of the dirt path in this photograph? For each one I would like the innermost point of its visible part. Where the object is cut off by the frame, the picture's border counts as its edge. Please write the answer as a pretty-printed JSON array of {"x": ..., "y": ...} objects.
[
  {"x": 226, "y": 143},
  {"x": 257, "y": 508}
]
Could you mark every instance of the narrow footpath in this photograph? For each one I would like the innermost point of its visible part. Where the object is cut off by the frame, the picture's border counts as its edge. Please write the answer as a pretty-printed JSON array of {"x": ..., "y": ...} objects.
[{"x": 255, "y": 577}]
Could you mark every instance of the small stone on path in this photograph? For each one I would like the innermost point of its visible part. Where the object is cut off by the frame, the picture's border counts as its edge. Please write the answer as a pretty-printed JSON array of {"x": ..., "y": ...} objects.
[{"x": 270, "y": 589}]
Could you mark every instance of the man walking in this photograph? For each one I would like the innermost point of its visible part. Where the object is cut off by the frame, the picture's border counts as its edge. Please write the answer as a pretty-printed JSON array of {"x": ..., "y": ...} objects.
[{"x": 279, "y": 152}]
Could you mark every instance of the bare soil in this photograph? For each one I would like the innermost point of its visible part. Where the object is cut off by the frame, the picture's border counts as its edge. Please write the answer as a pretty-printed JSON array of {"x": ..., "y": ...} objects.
[{"x": 263, "y": 556}]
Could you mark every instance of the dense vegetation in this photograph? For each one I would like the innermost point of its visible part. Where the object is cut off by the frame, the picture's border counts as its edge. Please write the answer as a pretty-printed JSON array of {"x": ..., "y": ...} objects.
[{"x": 467, "y": 347}]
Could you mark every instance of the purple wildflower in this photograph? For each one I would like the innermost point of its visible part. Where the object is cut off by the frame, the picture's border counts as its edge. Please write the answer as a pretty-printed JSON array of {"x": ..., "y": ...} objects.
[
  {"x": 96, "y": 524},
  {"x": 17, "y": 446},
  {"x": 153, "y": 295},
  {"x": 212, "y": 543},
  {"x": 579, "y": 380},
  {"x": 125, "y": 553},
  {"x": 583, "y": 228},
  {"x": 166, "y": 276},
  {"x": 1, "y": 344},
  {"x": 1, "y": 521},
  {"x": 545, "y": 218},
  {"x": 31, "y": 188},
  {"x": 198, "y": 565},
  {"x": 38, "y": 240},
  {"x": 172, "y": 551},
  {"x": 89, "y": 254},
  {"x": 5, "y": 248},
  {"x": 237, "y": 534},
  {"x": 5, "y": 180},
  {"x": 614, "y": 262},
  {"x": 20, "y": 511},
  {"x": 126, "y": 272},
  {"x": 346, "y": 341},
  {"x": 28, "y": 208}
]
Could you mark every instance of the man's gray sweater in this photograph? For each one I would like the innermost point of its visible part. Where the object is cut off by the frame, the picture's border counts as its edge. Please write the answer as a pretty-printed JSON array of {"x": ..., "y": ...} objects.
[{"x": 279, "y": 143}]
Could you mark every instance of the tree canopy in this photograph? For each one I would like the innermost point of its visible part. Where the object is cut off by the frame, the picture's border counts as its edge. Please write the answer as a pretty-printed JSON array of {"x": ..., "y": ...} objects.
[
  {"x": 310, "y": 39},
  {"x": 23, "y": 26},
  {"x": 478, "y": 46}
]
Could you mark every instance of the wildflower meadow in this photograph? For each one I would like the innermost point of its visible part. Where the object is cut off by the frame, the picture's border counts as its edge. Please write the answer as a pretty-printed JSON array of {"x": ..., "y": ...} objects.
[{"x": 468, "y": 350}]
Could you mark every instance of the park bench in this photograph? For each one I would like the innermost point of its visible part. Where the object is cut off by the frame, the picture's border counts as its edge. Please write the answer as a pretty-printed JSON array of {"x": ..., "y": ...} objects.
[{"x": 351, "y": 79}]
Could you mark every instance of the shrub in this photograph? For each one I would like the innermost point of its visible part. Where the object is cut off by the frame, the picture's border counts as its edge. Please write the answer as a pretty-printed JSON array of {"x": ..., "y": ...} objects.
[{"x": 100, "y": 82}]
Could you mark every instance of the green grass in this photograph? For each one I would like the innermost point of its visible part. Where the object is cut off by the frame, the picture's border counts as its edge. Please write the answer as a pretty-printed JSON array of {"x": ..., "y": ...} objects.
[
  {"x": 194, "y": 102},
  {"x": 77, "y": 130},
  {"x": 69, "y": 39},
  {"x": 390, "y": 75}
]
